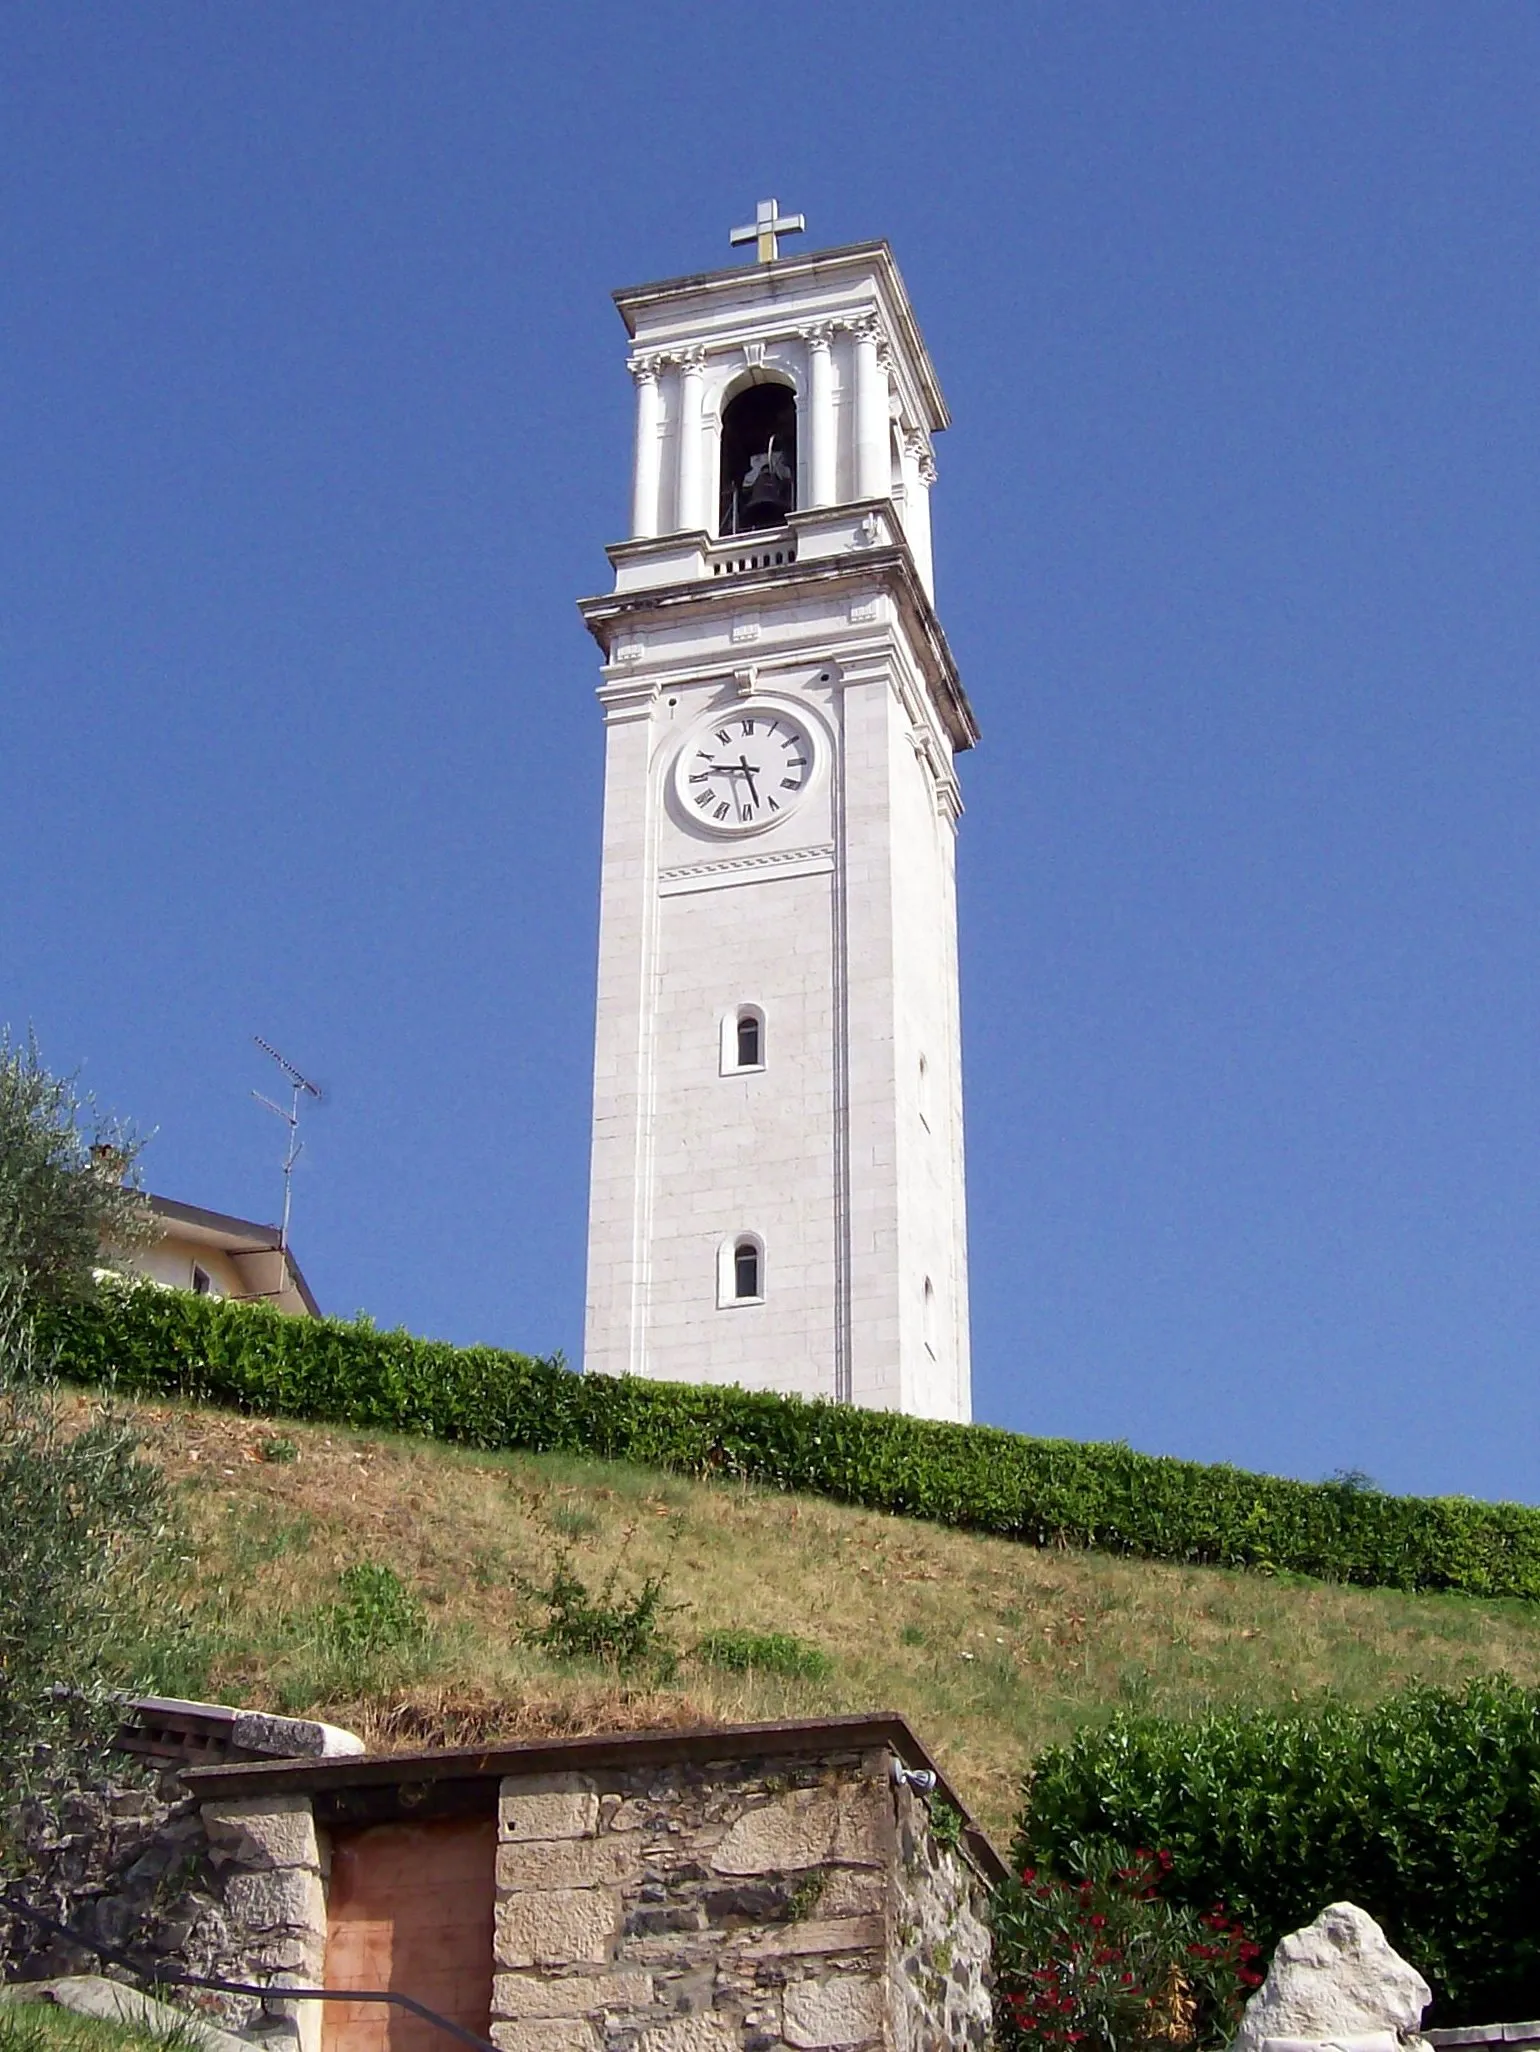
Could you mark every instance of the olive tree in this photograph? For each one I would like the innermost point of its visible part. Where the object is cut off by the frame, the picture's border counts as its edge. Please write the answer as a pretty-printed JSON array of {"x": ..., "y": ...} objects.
[{"x": 65, "y": 1183}]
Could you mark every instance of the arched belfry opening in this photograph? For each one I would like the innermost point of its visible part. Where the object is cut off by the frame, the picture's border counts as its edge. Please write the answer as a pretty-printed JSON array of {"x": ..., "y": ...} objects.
[{"x": 759, "y": 459}]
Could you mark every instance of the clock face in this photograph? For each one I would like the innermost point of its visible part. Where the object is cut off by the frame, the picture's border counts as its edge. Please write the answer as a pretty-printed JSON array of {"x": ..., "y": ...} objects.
[{"x": 744, "y": 770}]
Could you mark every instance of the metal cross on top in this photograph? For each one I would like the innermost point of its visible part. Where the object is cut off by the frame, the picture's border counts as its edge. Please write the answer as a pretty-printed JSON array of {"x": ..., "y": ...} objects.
[{"x": 769, "y": 225}]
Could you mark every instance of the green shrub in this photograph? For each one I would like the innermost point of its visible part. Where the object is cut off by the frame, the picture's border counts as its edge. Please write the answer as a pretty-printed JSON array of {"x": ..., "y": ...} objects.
[
  {"x": 1044, "y": 1491},
  {"x": 769, "y": 1652},
  {"x": 1425, "y": 1811},
  {"x": 625, "y": 1632}
]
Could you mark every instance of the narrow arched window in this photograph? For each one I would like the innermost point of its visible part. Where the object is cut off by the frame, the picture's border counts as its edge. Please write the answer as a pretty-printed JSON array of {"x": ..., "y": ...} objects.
[
  {"x": 740, "y": 1270},
  {"x": 743, "y": 1040},
  {"x": 746, "y": 1270},
  {"x": 928, "y": 1318}
]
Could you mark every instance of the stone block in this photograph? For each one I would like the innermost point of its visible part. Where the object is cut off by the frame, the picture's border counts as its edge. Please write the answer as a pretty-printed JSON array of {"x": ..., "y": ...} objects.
[
  {"x": 291, "y": 1738},
  {"x": 559, "y": 1806},
  {"x": 572, "y": 2035},
  {"x": 706, "y": 2031},
  {"x": 519, "y": 1998},
  {"x": 284, "y": 1898},
  {"x": 852, "y": 1892},
  {"x": 561, "y": 1927},
  {"x": 525, "y": 1863},
  {"x": 808, "y": 1827},
  {"x": 1338, "y": 1978},
  {"x": 815, "y": 1935},
  {"x": 842, "y": 2011},
  {"x": 264, "y": 1831}
]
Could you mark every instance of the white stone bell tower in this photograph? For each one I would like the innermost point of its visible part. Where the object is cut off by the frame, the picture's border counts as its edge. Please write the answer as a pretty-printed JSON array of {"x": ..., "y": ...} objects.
[{"x": 777, "y": 1194}]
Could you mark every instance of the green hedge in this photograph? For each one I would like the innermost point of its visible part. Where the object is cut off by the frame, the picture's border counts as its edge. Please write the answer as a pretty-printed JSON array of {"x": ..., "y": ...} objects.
[
  {"x": 1048, "y": 1492},
  {"x": 1424, "y": 1811}
]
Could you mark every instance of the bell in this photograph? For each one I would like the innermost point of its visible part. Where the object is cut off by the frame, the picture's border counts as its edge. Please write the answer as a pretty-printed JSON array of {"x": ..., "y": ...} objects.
[{"x": 768, "y": 492}]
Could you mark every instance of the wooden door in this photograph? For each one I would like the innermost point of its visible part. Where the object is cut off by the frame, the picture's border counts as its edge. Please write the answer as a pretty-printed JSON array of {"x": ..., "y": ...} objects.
[{"x": 409, "y": 1908}]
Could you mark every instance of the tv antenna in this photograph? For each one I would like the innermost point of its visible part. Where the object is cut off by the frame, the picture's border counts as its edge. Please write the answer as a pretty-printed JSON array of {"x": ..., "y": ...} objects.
[{"x": 299, "y": 1088}]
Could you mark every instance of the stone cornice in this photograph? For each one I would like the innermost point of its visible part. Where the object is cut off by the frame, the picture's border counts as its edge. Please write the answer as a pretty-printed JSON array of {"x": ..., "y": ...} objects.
[
  {"x": 892, "y": 565},
  {"x": 780, "y": 281}
]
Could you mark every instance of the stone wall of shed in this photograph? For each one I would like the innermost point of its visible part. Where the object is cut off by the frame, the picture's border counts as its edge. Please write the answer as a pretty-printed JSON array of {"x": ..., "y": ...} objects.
[
  {"x": 737, "y": 1906},
  {"x": 942, "y": 1947}
]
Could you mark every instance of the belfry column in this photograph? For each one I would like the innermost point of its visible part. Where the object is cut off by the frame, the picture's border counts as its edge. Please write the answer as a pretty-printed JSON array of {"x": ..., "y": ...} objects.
[
  {"x": 646, "y": 472},
  {"x": 690, "y": 514},
  {"x": 821, "y": 477},
  {"x": 874, "y": 476}
]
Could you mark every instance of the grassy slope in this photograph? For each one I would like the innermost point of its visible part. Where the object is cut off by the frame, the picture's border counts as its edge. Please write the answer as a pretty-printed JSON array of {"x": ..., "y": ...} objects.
[
  {"x": 41, "y": 2027},
  {"x": 990, "y": 1648}
]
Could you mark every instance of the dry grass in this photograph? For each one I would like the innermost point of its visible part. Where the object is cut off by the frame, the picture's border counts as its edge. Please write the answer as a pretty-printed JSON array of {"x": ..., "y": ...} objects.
[{"x": 991, "y": 1649}]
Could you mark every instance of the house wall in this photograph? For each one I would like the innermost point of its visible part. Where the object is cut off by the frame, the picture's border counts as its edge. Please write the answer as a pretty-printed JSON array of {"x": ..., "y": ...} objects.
[{"x": 171, "y": 1260}]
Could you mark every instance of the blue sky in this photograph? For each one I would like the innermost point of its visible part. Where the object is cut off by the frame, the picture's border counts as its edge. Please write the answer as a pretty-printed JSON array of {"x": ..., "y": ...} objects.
[{"x": 315, "y": 424}]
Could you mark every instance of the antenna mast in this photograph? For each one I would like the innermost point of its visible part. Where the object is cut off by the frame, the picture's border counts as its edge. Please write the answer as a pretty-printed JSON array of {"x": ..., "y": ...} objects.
[{"x": 299, "y": 1087}]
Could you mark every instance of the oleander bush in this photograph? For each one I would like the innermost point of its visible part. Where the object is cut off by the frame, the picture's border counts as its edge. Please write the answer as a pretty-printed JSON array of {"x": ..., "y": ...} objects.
[
  {"x": 1046, "y": 1492},
  {"x": 1424, "y": 1810},
  {"x": 1108, "y": 1961}
]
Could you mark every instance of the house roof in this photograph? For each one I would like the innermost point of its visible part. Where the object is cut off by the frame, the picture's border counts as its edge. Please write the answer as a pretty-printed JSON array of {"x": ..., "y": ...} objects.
[{"x": 236, "y": 1237}]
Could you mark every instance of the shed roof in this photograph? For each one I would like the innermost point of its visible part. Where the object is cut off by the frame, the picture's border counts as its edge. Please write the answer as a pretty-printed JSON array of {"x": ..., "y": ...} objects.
[{"x": 421, "y": 1773}]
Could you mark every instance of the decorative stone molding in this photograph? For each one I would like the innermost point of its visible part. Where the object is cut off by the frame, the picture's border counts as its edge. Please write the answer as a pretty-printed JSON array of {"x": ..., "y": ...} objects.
[
  {"x": 735, "y": 864},
  {"x": 645, "y": 366}
]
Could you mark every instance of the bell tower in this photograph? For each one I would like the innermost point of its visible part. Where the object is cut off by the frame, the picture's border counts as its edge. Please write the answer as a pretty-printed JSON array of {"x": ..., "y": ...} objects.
[{"x": 777, "y": 1184}]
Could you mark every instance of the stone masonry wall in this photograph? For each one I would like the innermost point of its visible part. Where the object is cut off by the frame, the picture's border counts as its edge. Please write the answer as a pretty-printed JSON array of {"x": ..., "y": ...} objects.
[
  {"x": 942, "y": 1946},
  {"x": 272, "y": 1863},
  {"x": 738, "y": 1906},
  {"x": 232, "y": 1893}
]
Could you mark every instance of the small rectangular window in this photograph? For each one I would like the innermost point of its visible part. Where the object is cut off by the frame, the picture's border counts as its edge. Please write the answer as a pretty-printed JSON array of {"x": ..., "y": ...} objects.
[{"x": 203, "y": 1282}]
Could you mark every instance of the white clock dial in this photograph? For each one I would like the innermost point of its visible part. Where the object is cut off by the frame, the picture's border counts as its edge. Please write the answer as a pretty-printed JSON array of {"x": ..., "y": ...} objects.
[{"x": 744, "y": 770}]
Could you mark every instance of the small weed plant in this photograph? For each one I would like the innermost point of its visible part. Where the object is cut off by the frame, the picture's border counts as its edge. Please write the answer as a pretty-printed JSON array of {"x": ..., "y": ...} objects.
[
  {"x": 1104, "y": 1961},
  {"x": 375, "y": 1614},
  {"x": 946, "y": 1825},
  {"x": 624, "y": 1631},
  {"x": 765, "y": 1653}
]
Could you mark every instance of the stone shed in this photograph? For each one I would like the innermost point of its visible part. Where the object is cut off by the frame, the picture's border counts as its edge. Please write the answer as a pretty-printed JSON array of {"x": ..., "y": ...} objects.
[{"x": 729, "y": 1889}]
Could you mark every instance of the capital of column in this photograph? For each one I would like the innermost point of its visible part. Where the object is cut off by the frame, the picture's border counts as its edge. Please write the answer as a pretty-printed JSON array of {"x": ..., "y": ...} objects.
[
  {"x": 818, "y": 336},
  {"x": 645, "y": 367},
  {"x": 918, "y": 448}
]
